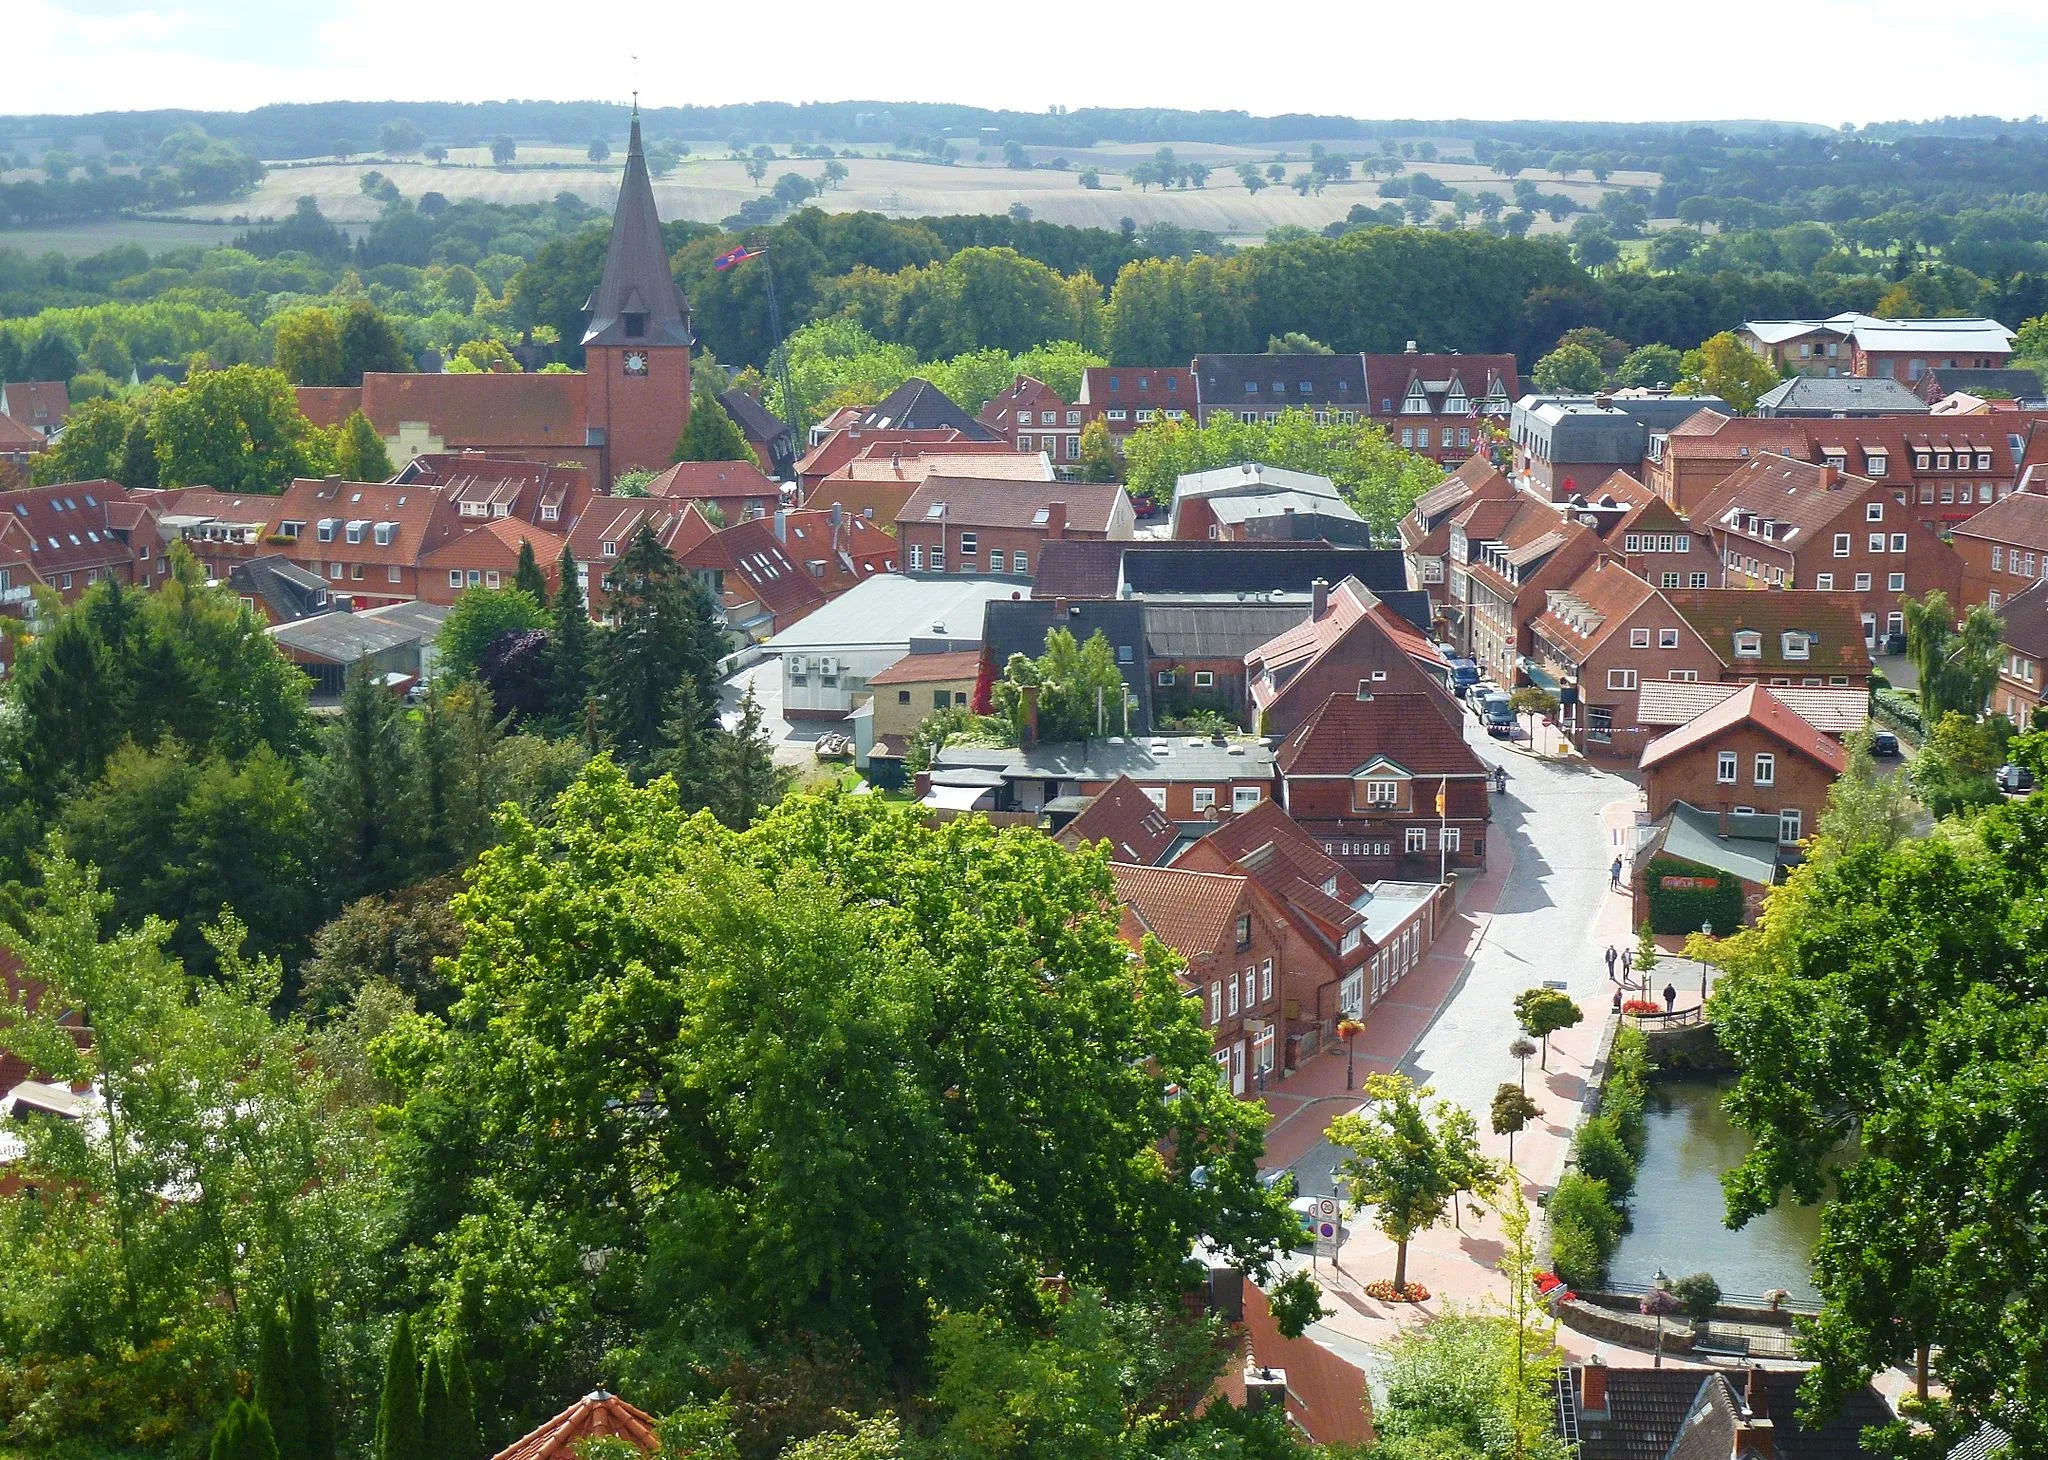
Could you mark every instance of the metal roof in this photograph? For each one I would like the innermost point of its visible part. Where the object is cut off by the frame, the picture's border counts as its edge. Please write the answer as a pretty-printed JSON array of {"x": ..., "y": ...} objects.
[
  {"x": 1749, "y": 851},
  {"x": 889, "y": 610}
]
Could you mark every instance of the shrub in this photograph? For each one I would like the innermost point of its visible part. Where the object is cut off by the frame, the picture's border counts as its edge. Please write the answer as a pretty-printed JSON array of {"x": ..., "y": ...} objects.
[
  {"x": 1601, "y": 1155},
  {"x": 1899, "y": 711},
  {"x": 1628, "y": 1084},
  {"x": 1697, "y": 1294},
  {"x": 1684, "y": 909},
  {"x": 1584, "y": 1228}
]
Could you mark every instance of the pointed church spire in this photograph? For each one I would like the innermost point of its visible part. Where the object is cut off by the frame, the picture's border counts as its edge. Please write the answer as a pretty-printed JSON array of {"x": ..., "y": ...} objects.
[{"x": 637, "y": 302}]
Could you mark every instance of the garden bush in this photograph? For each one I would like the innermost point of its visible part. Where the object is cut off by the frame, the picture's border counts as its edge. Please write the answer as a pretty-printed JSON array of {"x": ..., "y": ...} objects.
[
  {"x": 1898, "y": 711},
  {"x": 1584, "y": 1228},
  {"x": 1628, "y": 1083},
  {"x": 1599, "y": 1152}
]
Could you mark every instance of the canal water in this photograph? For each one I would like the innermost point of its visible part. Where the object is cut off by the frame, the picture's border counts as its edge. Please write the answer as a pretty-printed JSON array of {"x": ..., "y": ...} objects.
[{"x": 1678, "y": 1207}]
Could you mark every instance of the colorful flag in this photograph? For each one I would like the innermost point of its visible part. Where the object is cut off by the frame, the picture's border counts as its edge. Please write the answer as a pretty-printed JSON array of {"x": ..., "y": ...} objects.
[
  {"x": 738, "y": 256},
  {"x": 1443, "y": 786}
]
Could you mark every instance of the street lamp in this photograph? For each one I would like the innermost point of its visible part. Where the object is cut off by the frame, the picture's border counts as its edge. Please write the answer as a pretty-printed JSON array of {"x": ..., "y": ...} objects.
[
  {"x": 1706, "y": 931},
  {"x": 1348, "y": 1030},
  {"x": 1659, "y": 1301}
]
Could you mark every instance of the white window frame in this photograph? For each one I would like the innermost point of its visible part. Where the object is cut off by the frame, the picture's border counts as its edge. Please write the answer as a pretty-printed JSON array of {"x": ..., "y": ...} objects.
[
  {"x": 1418, "y": 839},
  {"x": 1621, "y": 679},
  {"x": 1667, "y": 638},
  {"x": 1791, "y": 825},
  {"x": 1727, "y": 766},
  {"x": 1244, "y": 798},
  {"x": 1204, "y": 797},
  {"x": 1841, "y": 544},
  {"x": 1765, "y": 771}
]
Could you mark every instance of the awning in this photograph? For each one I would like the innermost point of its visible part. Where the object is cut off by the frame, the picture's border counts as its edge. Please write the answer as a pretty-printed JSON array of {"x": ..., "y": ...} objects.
[{"x": 956, "y": 798}]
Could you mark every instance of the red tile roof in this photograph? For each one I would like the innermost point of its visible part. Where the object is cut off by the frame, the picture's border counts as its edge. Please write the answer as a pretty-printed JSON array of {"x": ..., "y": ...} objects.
[
  {"x": 523, "y": 488},
  {"x": 1831, "y": 621},
  {"x": 930, "y": 668},
  {"x": 1190, "y": 912},
  {"x": 710, "y": 479},
  {"x": 15, "y": 438},
  {"x": 1798, "y": 495},
  {"x": 1756, "y": 706},
  {"x": 1124, "y": 816},
  {"x": 1349, "y": 732},
  {"x": 1268, "y": 846},
  {"x": 1138, "y": 385},
  {"x": 73, "y": 527},
  {"x": 495, "y": 540},
  {"x": 485, "y": 409},
  {"x": 2021, "y": 518},
  {"x": 1326, "y": 1394},
  {"x": 40, "y": 405},
  {"x": 422, "y": 519},
  {"x": 971, "y": 502},
  {"x": 596, "y": 1415},
  {"x": 1584, "y": 615}
]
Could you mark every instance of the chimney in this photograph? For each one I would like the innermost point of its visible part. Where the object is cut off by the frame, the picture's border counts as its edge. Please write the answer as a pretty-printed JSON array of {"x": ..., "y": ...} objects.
[
  {"x": 922, "y": 786},
  {"x": 1265, "y": 1387},
  {"x": 1602, "y": 400},
  {"x": 1755, "y": 1434},
  {"x": 782, "y": 524},
  {"x": 1829, "y": 479},
  {"x": 1411, "y": 350},
  {"x": 1226, "y": 1293},
  {"x": 1320, "y": 591},
  {"x": 1056, "y": 520},
  {"x": 1029, "y": 737},
  {"x": 1593, "y": 1390}
]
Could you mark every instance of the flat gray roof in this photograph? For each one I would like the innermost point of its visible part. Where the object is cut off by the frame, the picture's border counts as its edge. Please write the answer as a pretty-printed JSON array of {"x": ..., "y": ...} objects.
[
  {"x": 890, "y": 609},
  {"x": 1387, "y": 905},
  {"x": 1148, "y": 757},
  {"x": 343, "y": 638}
]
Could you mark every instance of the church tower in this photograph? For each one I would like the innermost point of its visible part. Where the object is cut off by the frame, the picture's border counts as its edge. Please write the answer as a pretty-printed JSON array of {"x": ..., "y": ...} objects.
[{"x": 637, "y": 345}]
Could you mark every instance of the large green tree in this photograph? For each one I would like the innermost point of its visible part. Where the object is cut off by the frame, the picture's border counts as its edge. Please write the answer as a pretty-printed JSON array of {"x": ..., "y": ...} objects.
[
  {"x": 365, "y": 789},
  {"x": 1080, "y": 690},
  {"x": 369, "y": 343},
  {"x": 806, "y": 1084},
  {"x": 400, "y": 1433},
  {"x": 1956, "y": 668},
  {"x": 359, "y": 452},
  {"x": 1890, "y": 1003},
  {"x": 710, "y": 434},
  {"x": 572, "y": 647},
  {"x": 474, "y": 624},
  {"x": 308, "y": 347},
  {"x": 238, "y": 429}
]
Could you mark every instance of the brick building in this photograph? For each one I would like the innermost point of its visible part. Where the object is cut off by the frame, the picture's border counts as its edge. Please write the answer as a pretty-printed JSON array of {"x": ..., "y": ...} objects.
[
  {"x": 486, "y": 557},
  {"x": 977, "y": 525},
  {"x": 1426, "y": 534},
  {"x": 1031, "y": 416},
  {"x": 1858, "y": 344},
  {"x": 1694, "y": 457},
  {"x": 2023, "y": 662},
  {"x": 1362, "y": 776},
  {"x": 2003, "y": 548},
  {"x": 1221, "y": 505},
  {"x": 1231, "y": 935},
  {"x": 1351, "y": 641},
  {"x": 66, "y": 538},
  {"x": 1505, "y": 559},
  {"x": 1803, "y": 637},
  {"x": 1431, "y": 404},
  {"x": 547, "y": 494},
  {"x": 1562, "y": 442},
  {"x": 1259, "y": 387},
  {"x": 1750, "y": 754},
  {"x": 1125, "y": 397},
  {"x": 1598, "y": 640},
  {"x": 369, "y": 540},
  {"x": 1778, "y": 523}
]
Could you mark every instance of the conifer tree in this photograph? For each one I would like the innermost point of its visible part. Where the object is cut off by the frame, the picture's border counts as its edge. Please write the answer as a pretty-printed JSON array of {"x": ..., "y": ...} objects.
[
  {"x": 666, "y": 632},
  {"x": 571, "y": 646},
  {"x": 398, "y": 1410},
  {"x": 315, "y": 1398},
  {"x": 529, "y": 575},
  {"x": 465, "y": 1439},
  {"x": 277, "y": 1387},
  {"x": 434, "y": 1415},
  {"x": 244, "y": 1434},
  {"x": 366, "y": 791},
  {"x": 747, "y": 782},
  {"x": 709, "y": 434}
]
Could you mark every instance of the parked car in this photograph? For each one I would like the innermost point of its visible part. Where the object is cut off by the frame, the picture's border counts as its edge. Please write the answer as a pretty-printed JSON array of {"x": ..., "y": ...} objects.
[
  {"x": 1884, "y": 745},
  {"x": 1895, "y": 643},
  {"x": 1464, "y": 674},
  {"x": 1498, "y": 717},
  {"x": 2013, "y": 779}
]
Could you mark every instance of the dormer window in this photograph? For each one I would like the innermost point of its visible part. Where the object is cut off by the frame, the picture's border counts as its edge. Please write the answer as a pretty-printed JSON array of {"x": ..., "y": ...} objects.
[
  {"x": 325, "y": 530},
  {"x": 384, "y": 532},
  {"x": 1875, "y": 463},
  {"x": 611, "y": 549},
  {"x": 1795, "y": 644},
  {"x": 1749, "y": 644},
  {"x": 633, "y": 324},
  {"x": 550, "y": 513}
]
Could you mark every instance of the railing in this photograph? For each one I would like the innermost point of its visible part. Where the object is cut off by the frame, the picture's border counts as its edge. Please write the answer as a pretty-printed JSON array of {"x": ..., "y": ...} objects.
[
  {"x": 1752, "y": 1301},
  {"x": 1682, "y": 1019}
]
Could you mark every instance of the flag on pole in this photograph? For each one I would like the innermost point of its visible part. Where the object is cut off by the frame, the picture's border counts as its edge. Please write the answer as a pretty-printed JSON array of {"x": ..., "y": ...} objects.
[
  {"x": 738, "y": 256},
  {"x": 1442, "y": 788}
]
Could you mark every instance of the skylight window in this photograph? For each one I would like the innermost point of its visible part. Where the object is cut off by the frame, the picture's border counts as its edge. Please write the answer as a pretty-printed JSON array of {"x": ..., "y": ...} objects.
[
  {"x": 937, "y": 509},
  {"x": 1042, "y": 516}
]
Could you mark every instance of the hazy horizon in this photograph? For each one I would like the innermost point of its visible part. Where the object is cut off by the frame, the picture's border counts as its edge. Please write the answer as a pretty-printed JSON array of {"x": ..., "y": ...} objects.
[{"x": 1591, "y": 60}]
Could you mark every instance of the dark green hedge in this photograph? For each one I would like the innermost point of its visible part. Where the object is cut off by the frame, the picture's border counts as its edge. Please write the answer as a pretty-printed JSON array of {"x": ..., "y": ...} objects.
[{"x": 1684, "y": 909}]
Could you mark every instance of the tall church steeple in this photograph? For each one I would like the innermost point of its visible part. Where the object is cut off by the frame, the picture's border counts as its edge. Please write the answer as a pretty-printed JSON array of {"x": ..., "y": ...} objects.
[
  {"x": 637, "y": 302},
  {"x": 637, "y": 348}
]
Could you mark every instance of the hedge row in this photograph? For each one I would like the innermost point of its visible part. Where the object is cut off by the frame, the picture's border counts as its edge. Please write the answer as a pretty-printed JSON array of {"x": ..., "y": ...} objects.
[{"x": 1587, "y": 1208}]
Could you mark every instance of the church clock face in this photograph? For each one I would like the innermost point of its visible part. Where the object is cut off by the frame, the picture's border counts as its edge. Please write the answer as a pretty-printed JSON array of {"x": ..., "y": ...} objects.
[{"x": 636, "y": 362}]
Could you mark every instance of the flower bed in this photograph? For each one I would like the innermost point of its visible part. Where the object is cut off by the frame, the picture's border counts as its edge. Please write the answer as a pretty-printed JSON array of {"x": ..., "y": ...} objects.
[
  {"x": 1642, "y": 1006},
  {"x": 1386, "y": 1292}
]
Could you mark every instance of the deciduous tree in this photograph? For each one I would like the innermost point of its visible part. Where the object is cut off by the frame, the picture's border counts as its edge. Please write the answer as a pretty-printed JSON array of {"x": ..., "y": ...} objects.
[
  {"x": 1406, "y": 1162},
  {"x": 1542, "y": 1012}
]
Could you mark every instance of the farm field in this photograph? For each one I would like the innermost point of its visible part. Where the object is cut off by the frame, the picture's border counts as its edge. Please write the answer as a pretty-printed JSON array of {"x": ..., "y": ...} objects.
[
  {"x": 708, "y": 189},
  {"x": 95, "y": 235}
]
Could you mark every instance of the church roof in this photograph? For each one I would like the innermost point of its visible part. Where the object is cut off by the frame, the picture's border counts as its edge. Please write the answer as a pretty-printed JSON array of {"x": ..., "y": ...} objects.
[{"x": 636, "y": 278}]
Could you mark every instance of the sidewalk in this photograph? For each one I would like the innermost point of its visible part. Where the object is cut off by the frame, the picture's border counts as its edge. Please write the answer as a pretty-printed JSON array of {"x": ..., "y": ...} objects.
[{"x": 1457, "y": 1262}]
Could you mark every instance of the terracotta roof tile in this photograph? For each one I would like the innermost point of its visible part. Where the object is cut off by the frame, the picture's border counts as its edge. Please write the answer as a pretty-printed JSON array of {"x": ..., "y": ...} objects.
[
  {"x": 1091, "y": 507},
  {"x": 1757, "y": 706},
  {"x": 1593, "y": 607},
  {"x": 483, "y": 409},
  {"x": 2025, "y": 616},
  {"x": 1832, "y": 621},
  {"x": 1190, "y": 912},
  {"x": 1347, "y": 732},
  {"x": 2021, "y": 518},
  {"x": 706, "y": 479},
  {"x": 1122, "y": 815},
  {"x": 597, "y": 1415},
  {"x": 1326, "y": 1393},
  {"x": 930, "y": 668}
]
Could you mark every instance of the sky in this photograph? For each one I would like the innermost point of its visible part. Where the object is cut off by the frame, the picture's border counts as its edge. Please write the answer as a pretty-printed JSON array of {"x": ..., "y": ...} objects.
[{"x": 1826, "y": 61}]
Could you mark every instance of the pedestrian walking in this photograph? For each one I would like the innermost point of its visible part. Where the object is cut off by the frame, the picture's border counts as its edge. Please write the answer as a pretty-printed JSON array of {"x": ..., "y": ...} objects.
[
  {"x": 1614, "y": 875},
  {"x": 1610, "y": 962},
  {"x": 1670, "y": 999}
]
